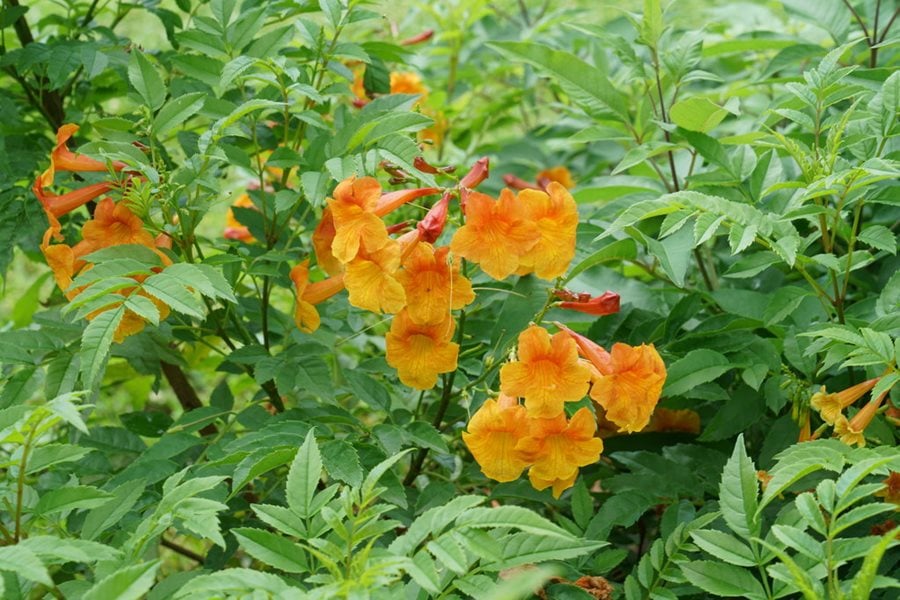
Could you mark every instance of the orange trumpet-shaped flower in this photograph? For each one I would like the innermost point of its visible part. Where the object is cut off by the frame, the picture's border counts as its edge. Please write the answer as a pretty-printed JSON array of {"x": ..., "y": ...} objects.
[
  {"x": 408, "y": 83},
  {"x": 234, "y": 230},
  {"x": 372, "y": 282},
  {"x": 496, "y": 234},
  {"x": 547, "y": 374},
  {"x": 557, "y": 447},
  {"x": 57, "y": 205},
  {"x": 556, "y": 216},
  {"x": 629, "y": 384},
  {"x": 62, "y": 262},
  {"x": 113, "y": 225},
  {"x": 433, "y": 284},
  {"x": 852, "y": 432},
  {"x": 352, "y": 210},
  {"x": 306, "y": 317},
  {"x": 421, "y": 352},
  {"x": 63, "y": 159},
  {"x": 830, "y": 406},
  {"x": 322, "y": 238},
  {"x": 493, "y": 433},
  {"x": 560, "y": 175}
]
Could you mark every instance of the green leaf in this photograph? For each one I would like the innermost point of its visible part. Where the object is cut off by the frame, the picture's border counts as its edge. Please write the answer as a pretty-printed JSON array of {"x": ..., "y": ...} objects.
[
  {"x": 510, "y": 516},
  {"x": 799, "y": 461},
  {"x": 303, "y": 477},
  {"x": 104, "y": 516},
  {"x": 70, "y": 498},
  {"x": 342, "y": 462},
  {"x": 721, "y": 579},
  {"x": 724, "y": 547},
  {"x": 128, "y": 583},
  {"x": 95, "y": 343},
  {"x": 618, "y": 250},
  {"x": 865, "y": 577},
  {"x": 55, "y": 550},
  {"x": 258, "y": 462},
  {"x": 272, "y": 549},
  {"x": 738, "y": 493},
  {"x": 425, "y": 435},
  {"x": 377, "y": 472},
  {"x": 176, "y": 111},
  {"x": 234, "y": 582},
  {"x": 449, "y": 553},
  {"x": 695, "y": 368},
  {"x": 697, "y": 114},
  {"x": 783, "y": 303},
  {"x": 527, "y": 548},
  {"x": 588, "y": 86},
  {"x": 23, "y": 562},
  {"x": 879, "y": 237},
  {"x": 652, "y": 23},
  {"x": 432, "y": 522},
  {"x": 146, "y": 80},
  {"x": 172, "y": 289},
  {"x": 582, "y": 504}
]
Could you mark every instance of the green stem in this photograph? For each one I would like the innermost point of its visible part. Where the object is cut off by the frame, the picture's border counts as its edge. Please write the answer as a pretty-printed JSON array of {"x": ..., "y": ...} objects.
[{"x": 20, "y": 482}]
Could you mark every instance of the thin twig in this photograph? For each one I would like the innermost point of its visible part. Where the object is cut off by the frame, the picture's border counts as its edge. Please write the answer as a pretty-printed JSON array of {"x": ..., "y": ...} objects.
[{"x": 182, "y": 550}]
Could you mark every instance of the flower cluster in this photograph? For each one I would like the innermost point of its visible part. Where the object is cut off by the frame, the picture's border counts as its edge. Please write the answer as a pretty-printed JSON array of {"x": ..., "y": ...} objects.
[
  {"x": 406, "y": 276},
  {"x": 506, "y": 437},
  {"x": 112, "y": 224}
]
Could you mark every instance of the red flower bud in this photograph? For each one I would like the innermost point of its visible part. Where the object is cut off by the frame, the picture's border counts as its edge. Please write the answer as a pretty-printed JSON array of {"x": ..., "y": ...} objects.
[
  {"x": 478, "y": 173},
  {"x": 432, "y": 225},
  {"x": 604, "y": 304},
  {"x": 518, "y": 183},
  {"x": 418, "y": 39}
]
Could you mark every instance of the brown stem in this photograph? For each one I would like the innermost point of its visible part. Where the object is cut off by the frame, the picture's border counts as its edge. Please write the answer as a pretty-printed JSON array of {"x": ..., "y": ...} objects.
[
  {"x": 182, "y": 550},
  {"x": 859, "y": 20},
  {"x": 51, "y": 103},
  {"x": 185, "y": 392}
]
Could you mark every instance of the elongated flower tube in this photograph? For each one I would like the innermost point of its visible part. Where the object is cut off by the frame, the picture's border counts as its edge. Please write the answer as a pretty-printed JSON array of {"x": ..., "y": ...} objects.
[
  {"x": 63, "y": 159},
  {"x": 605, "y": 304},
  {"x": 852, "y": 432},
  {"x": 830, "y": 406}
]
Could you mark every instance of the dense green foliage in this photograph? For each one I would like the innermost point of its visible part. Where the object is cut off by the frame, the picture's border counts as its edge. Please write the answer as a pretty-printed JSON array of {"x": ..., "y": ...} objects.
[{"x": 736, "y": 171}]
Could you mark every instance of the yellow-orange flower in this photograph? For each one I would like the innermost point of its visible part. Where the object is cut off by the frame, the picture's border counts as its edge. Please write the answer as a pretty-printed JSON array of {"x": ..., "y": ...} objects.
[
  {"x": 352, "y": 210},
  {"x": 493, "y": 432},
  {"x": 113, "y": 225},
  {"x": 557, "y": 447},
  {"x": 666, "y": 419},
  {"x": 234, "y": 230},
  {"x": 831, "y": 405},
  {"x": 306, "y": 317},
  {"x": 560, "y": 175},
  {"x": 408, "y": 83},
  {"x": 322, "y": 238},
  {"x": 628, "y": 384},
  {"x": 421, "y": 352},
  {"x": 852, "y": 432},
  {"x": 496, "y": 233},
  {"x": 556, "y": 216},
  {"x": 547, "y": 373},
  {"x": 371, "y": 279},
  {"x": 433, "y": 284}
]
